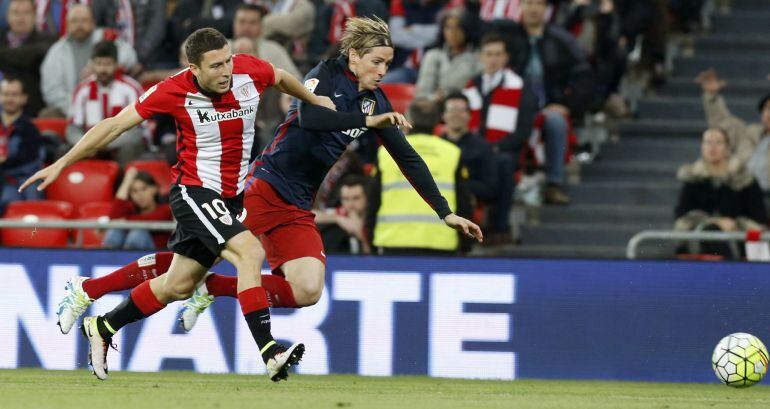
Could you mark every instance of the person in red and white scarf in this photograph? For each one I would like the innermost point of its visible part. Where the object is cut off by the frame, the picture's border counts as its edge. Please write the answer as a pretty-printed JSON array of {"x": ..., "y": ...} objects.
[
  {"x": 505, "y": 111},
  {"x": 102, "y": 95},
  {"x": 503, "y": 108}
]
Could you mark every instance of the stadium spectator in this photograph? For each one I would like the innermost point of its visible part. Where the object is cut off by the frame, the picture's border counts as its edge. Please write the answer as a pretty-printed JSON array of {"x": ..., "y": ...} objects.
[
  {"x": 288, "y": 20},
  {"x": 102, "y": 95},
  {"x": 490, "y": 10},
  {"x": 647, "y": 19},
  {"x": 503, "y": 107},
  {"x": 22, "y": 50},
  {"x": 66, "y": 62},
  {"x": 490, "y": 174},
  {"x": 347, "y": 228},
  {"x": 342, "y": 10},
  {"x": 140, "y": 23},
  {"x": 51, "y": 15},
  {"x": 21, "y": 153},
  {"x": 137, "y": 199},
  {"x": 405, "y": 223},
  {"x": 609, "y": 59},
  {"x": 348, "y": 164},
  {"x": 413, "y": 27},
  {"x": 558, "y": 72},
  {"x": 750, "y": 142},
  {"x": 190, "y": 15},
  {"x": 247, "y": 32},
  {"x": 449, "y": 67},
  {"x": 551, "y": 61},
  {"x": 718, "y": 192}
]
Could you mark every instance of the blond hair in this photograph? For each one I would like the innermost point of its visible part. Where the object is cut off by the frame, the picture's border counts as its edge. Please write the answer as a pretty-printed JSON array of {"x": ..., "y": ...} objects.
[{"x": 363, "y": 33}]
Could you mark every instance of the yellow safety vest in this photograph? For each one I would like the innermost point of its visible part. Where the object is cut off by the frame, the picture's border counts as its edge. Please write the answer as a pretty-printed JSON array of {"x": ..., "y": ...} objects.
[{"x": 405, "y": 219}]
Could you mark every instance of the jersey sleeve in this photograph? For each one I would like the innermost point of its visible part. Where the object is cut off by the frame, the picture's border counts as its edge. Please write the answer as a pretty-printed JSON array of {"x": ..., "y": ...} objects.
[
  {"x": 319, "y": 80},
  {"x": 156, "y": 100},
  {"x": 260, "y": 71}
]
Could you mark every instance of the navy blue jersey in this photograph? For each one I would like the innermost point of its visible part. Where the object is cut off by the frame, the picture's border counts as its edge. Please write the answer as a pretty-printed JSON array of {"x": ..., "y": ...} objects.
[{"x": 299, "y": 157}]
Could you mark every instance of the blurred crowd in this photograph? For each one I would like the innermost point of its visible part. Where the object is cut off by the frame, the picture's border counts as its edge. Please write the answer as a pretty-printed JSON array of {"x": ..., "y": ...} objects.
[{"x": 506, "y": 85}]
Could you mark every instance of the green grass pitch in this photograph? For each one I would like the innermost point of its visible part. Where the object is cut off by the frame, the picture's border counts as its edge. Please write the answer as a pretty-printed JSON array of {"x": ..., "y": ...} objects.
[{"x": 39, "y": 389}]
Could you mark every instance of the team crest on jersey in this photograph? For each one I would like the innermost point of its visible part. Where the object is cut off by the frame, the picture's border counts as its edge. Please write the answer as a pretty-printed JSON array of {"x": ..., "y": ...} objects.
[
  {"x": 367, "y": 106},
  {"x": 245, "y": 92},
  {"x": 226, "y": 219}
]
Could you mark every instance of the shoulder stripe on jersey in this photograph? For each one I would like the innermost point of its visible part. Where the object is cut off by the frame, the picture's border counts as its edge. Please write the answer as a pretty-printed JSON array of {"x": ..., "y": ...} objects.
[{"x": 199, "y": 213}]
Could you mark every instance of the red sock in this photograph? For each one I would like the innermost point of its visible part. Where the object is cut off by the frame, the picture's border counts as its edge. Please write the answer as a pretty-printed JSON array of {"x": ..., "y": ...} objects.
[
  {"x": 130, "y": 275},
  {"x": 279, "y": 292},
  {"x": 222, "y": 286},
  {"x": 145, "y": 300},
  {"x": 252, "y": 299}
]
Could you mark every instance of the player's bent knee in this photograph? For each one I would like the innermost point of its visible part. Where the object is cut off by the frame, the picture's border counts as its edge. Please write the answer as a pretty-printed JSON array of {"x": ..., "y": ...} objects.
[
  {"x": 179, "y": 291},
  {"x": 310, "y": 291}
]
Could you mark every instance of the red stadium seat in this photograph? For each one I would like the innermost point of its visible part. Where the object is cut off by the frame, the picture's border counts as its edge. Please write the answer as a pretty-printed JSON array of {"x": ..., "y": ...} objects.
[
  {"x": 85, "y": 182},
  {"x": 57, "y": 126},
  {"x": 99, "y": 211},
  {"x": 399, "y": 95},
  {"x": 160, "y": 171},
  {"x": 33, "y": 211}
]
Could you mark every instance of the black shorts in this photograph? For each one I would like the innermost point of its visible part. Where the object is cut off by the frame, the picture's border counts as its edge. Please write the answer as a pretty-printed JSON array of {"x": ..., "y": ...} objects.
[{"x": 205, "y": 221}]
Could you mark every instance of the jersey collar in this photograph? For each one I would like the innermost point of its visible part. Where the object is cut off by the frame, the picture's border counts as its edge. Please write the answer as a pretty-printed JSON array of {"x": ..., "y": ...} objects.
[{"x": 343, "y": 62}]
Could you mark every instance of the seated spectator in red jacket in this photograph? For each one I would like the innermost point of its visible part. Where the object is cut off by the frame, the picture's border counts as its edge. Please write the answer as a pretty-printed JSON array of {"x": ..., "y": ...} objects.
[
  {"x": 718, "y": 192},
  {"x": 21, "y": 149},
  {"x": 137, "y": 199}
]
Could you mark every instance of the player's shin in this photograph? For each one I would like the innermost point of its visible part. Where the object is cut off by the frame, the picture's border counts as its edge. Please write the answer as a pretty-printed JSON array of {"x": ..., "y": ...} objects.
[
  {"x": 279, "y": 292},
  {"x": 130, "y": 275},
  {"x": 140, "y": 304},
  {"x": 256, "y": 311}
]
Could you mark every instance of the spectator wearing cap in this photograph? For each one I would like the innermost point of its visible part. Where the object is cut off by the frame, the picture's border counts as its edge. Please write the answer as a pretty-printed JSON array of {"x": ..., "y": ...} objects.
[
  {"x": 66, "y": 62},
  {"x": 21, "y": 152},
  {"x": 22, "y": 49},
  {"x": 102, "y": 95},
  {"x": 750, "y": 141}
]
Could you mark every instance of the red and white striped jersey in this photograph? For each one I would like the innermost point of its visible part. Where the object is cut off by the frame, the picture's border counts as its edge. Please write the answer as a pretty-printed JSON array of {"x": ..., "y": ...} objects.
[
  {"x": 215, "y": 134},
  {"x": 93, "y": 102}
]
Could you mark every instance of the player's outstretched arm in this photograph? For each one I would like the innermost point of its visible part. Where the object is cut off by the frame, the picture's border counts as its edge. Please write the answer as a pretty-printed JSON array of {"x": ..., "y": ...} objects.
[
  {"x": 288, "y": 84},
  {"x": 95, "y": 139}
]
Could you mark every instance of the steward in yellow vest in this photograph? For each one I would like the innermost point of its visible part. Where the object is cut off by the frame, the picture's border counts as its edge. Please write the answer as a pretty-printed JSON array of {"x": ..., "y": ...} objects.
[{"x": 404, "y": 219}]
